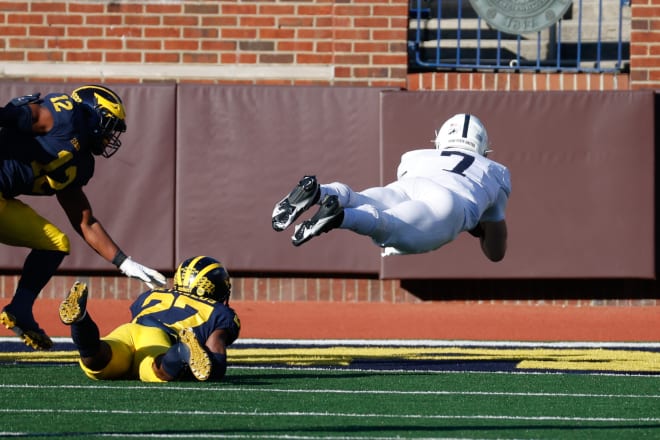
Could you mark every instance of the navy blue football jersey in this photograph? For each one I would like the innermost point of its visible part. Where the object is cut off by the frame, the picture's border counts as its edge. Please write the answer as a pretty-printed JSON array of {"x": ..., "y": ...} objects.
[
  {"x": 173, "y": 311},
  {"x": 45, "y": 164}
]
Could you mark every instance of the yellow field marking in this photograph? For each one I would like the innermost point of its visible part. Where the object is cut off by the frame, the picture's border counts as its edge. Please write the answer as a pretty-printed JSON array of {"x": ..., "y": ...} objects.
[
  {"x": 39, "y": 356},
  {"x": 586, "y": 359},
  {"x": 526, "y": 358}
]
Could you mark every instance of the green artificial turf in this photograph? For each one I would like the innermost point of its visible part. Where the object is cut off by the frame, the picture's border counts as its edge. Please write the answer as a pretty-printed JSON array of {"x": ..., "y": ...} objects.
[{"x": 58, "y": 401}]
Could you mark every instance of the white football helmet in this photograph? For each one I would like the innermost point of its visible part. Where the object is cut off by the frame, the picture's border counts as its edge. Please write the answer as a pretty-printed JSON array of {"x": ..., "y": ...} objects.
[{"x": 463, "y": 131}]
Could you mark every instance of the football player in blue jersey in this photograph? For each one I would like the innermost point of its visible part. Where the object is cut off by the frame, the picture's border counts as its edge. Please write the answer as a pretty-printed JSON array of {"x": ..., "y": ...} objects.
[
  {"x": 174, "y": 334},
  {"x": 47, "y": 147}
]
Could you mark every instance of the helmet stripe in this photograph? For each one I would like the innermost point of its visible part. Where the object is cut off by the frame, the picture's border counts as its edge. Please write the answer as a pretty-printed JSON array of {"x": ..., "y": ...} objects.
[
  {"x": 190, "y": 269},
  {"x": 208, "y": 269},
  {"x": 183, "y": 273},
  {"x": 178, "y": 275},
  {"x": 466, "y": 125}
]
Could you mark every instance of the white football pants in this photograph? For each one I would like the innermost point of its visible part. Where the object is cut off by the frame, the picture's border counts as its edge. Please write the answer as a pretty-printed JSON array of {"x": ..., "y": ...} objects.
[{"x": 412, "y": 215}]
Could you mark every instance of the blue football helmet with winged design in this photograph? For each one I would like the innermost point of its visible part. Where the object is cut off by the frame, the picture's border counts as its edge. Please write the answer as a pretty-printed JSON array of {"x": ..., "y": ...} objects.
[
  {"x": 108, "y": 117},
  {"x": 203, "y": 276}
]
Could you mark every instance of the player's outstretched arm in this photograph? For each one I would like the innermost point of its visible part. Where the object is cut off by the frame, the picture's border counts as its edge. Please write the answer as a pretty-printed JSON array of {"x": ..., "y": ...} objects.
[
  {"x": 79, "y": 211},
  {"x": 75, "y": 204}
]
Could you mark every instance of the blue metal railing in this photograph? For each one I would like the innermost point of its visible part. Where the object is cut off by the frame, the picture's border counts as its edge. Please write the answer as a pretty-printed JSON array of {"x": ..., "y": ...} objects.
[{"x": 446, "y": 35}]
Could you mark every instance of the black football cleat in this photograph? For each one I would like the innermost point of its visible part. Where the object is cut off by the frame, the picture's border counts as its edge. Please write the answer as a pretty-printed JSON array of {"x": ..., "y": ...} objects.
[
  {"x": 299, "y": 200},
  {"x": 29, "y": 332},
  {"x": 328, "y": 217}
]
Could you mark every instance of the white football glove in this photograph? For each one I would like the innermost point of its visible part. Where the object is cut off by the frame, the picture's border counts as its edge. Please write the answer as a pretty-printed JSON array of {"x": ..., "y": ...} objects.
[{"x": 135, "y": 270}]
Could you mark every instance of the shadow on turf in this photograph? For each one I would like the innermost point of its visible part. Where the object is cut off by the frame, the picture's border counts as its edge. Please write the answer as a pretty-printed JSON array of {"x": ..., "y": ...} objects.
[
  {"x": 353, "y": 429},
  {"x": 270, "y": 378},
  {"x": 367, "y": 368},
  {"x": 394, "y": 429},
  {"x": 371, "y": 367}
]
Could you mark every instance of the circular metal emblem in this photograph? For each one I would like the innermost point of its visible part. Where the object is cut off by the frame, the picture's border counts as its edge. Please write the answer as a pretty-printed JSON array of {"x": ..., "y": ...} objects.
[{"x": 521, "y": 16}]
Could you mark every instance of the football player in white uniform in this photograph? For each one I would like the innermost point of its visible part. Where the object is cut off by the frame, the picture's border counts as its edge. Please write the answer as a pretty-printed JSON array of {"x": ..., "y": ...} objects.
[{"x": 438, "y": 194}]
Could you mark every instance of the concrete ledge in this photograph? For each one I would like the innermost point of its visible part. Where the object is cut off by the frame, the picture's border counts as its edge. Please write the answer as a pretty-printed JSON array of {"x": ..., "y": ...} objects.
[{"x": 164, "y": 71}]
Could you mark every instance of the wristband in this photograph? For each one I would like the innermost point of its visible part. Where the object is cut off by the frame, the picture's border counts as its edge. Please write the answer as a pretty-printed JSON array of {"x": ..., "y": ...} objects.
[{"x": 120, "y": 257}]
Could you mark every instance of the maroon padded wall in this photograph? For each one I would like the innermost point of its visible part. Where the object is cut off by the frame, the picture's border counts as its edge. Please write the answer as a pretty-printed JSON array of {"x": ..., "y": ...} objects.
[
  {"x": 242, "y": 148},
  {"x": 202, "y": 166},
  {"x": 582, "y": 166},
  {"x": 131, "y": 193}
]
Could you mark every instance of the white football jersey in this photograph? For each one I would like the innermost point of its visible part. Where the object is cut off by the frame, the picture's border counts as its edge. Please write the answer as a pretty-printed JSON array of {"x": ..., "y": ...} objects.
[{"x": 485, "y": 185}]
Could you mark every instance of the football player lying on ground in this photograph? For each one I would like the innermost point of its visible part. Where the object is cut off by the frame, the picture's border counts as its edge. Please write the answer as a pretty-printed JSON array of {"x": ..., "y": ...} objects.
[
  {"x": 48, "y": 147},
  {"x": 174, "y": 334},
  {"x": 438, "y": 194}
]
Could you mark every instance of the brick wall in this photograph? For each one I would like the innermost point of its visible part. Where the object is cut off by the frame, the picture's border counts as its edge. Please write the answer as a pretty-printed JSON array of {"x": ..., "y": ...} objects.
[
  {"x": 324, "y": 42},
  {"x": 645, "y": 44},
  {"x": 518, "y": 81},
  {"x": 258, "y": 42},
  {"x": 243, "y": 288}
]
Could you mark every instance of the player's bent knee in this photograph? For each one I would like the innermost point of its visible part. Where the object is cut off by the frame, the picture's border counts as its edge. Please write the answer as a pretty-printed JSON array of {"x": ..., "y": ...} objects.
[
  {"x": 118, "y": 366},
  {"x": 58, "y": 240}
]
